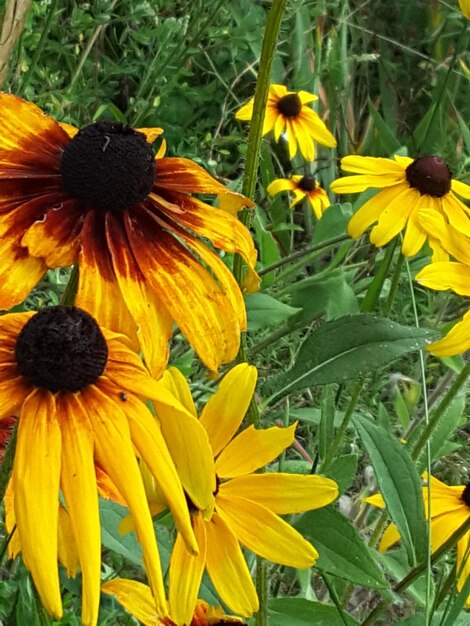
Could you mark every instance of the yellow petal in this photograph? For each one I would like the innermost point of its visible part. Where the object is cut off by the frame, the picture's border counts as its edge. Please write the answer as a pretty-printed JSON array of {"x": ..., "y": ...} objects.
[
  {"x": 306, "y": 97},
  {"x": 245, "y": 112},
  {"x": 305, "y": 136},
  {"x": 78, "y": 482},
  {"x": 373, "y": 165},
  {"x": 252, "y": 449},
  {"x": 291, "y": 139},
  {"x": 456, "y": 341},
  {"x": 186, "y": 574},
  {"x": 463, "y": 553},
  {"x": 445, "y": 525},
  {"x": 312, "y": 123},
  {"x": 19, "y": 272},
  {"x": 264, "y": 533},
  {"x": 281, "y": 184},
  {"x": 189, "y": 447},
  {"x": 450, "y": 239},
  {"x": 361, "y": 182},
  {"x": 150, "y": 133},
  {"x": 67, "y": 546},
  {"x": 177, "y": 385},
  {"x": 390, "y": 537},
  {"x": 228, "y": 570},
  {"x": 415, "y": 236},
  {"x": 370, "y": 211},
  {"x": 135, "y": 597},
  {"x": 226, "y": 408},
  {"x": 457, "y": 213},
  {"x": 115, "y": 454},
  {"x": 460, "y": 188},
  {"x": 446, "y": 275},
  {"x": 283, "y": 493},
  {"x": 149, "y": 442},
  {"x": 69, "y": 129},
  {"x": 394, "y": 218},
  {"x": 36, "y": 489}
]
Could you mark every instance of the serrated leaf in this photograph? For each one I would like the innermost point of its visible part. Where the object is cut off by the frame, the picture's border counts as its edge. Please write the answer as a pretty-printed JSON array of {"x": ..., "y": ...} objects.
[
  {"x": 399, "y": 484},
  {"x": 302, "y": 612},
  {"x": 342, "y": 550},
  {"x": 346, "y": 348},
  {"x": 263, "y": 311}
]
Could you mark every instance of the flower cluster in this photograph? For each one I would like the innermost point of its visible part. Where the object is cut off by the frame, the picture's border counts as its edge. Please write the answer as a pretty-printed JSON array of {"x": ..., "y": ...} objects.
[{"x": 95, "y": 417}]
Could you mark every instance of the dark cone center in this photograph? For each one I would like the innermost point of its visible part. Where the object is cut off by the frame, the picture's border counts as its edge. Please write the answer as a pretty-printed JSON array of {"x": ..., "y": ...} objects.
[
  {"x": 61, "y": 349},
  {"x": 307, "y": 183},
  {"x": 108, "y": 166},
  {"x": 430, "y": 175},
  {"x": 290, "y": 105},
  {"x": 466, "y": 495}
]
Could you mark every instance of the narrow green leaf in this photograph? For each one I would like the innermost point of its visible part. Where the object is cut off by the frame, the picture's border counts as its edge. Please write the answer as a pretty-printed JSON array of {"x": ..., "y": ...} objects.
[
  {"x": 302, "y": 612},
  {"x": 343, "y": 470},
  {"x": 342, "y": 550},
  {"x": 386, "y": 135},
  {"x": 346, "y": 348},
  {"x": 399, "y": 483}
]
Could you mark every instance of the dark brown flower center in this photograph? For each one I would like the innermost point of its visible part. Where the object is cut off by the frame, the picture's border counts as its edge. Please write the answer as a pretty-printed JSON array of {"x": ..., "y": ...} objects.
[
  {"x": 290, "y": 105},
  {"x": 108, "y": 166},
  {"x": 466, "y": 495},
  {"x": 307, "y": 183},
  {"x": 430, "y": 175},
  {"x": 61, "y": 349}
]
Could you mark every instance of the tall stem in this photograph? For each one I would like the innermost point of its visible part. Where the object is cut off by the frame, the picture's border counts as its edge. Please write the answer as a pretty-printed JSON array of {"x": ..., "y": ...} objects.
[{"x": 271, "y": 34}]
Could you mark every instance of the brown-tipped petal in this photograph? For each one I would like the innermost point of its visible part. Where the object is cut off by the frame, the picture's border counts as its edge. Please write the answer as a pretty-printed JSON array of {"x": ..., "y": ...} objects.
[
  {"x": 29, "y": 137},
  {"x": 153, "y": 321},
  {"x": 191, "y": 295},
  {"x": 56, "y": 238},
  {"x": 98, "y": 291}
]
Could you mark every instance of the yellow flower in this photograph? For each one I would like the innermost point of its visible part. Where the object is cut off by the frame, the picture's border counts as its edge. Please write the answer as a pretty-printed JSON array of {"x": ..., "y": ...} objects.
[
  {"x": 138, "y": 600},
  {"x": 100, "y": 196},
  {"x": 465, "y": 8},
  {"x": 446, "y": 274},
  {"x": 77, "y": 389},
  {"x": 406, "y": 185},
  {"x": 302, "y": 187},
  {"x": 449, "y": 511},
  {"x": 245, "y": 505},
  {"x": 288, "y": 112}
]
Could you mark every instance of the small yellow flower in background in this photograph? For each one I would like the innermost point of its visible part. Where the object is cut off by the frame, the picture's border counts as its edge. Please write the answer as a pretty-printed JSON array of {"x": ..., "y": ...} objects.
[
  {"x": 405, "y": 185},
  {"x": 302, "y": 187},
  {"x": 137, "y": 598},
  {"x": 100, "y": 196},
  {"x": 77, "y": 389},
  {"x": 245, "y": 505},
  {"x": 443, "y": 275},
  {"x": 449, "y": 511},
  {"x": 465, "y": 8},
  {"x": 288, "y": 112}
]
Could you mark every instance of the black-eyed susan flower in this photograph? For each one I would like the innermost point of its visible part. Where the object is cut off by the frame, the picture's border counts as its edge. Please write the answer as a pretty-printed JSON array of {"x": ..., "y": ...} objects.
[
  {"x": 446, "y": 274},
  {"x": 449, "y": 510},
  {"x": 77, "y": 389},
  {"x": 137, "y": 598},
  {"x": 406, "y": 185},
  {"x": 288, "y": 112},
  {"x": 246, "y": 506},
  {"x": 101, "y": 196},
  {"x": 302, "y": 187}
]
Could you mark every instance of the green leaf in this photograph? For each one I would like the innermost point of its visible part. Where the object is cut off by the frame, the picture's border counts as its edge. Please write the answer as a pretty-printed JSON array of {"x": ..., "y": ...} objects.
[
  {"x": 342, "y": 550},
  {"x": 343, "y": 470},
  {"x": 346, "y": 348},
  {"x": 263, "y": 311},
  {"x": 386, "y": 135},
  {"x": 111, "y": 515},
  {"x": 301, "y": 612},
  {"x": 399, "y": 483}
]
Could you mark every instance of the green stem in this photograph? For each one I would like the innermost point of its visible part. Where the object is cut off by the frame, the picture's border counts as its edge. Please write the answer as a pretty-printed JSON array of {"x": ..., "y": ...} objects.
[
  {"x": 375, "y": 287},
  {"x": 393, "y": 287},
  {"x": 337, "y": 441},
  {"x": 416, "y": 572},
  {"x": 39, "y": 48},
  {"x": 299, "y": 254},
  {"x": 71, "y": 288},
  {"x": 271, "y": 34},
  {"x": 440, "y": 410}
]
